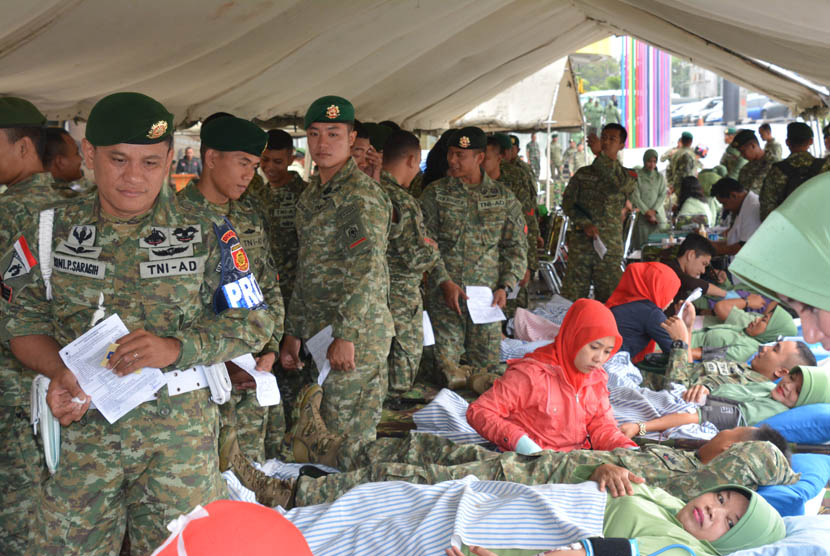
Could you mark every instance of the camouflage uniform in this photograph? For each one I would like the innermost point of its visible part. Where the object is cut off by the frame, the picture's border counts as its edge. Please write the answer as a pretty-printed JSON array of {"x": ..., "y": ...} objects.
[
  {"x": 582, "y": 159},
  {"x": 524, "y": 189},
  {"x": 596, "y": 195},
  {"x": 409, "y": 255},
  {"x": 482, "y": 236},
  {"x": 569, "y": 159},
  {"x": 753, "y": 174},
  {"x": 22, "y": 467},
  {"x": 708, "y": 373},
  {"x": 612, "y": 114},
  {"x": 733, "y": 161},
  {"x": 416, "y": 188},
  {"x": 555, "y": 174},
  {"x": 773, "y": 150},
  {"x": 160, "y": 459},
  {"x": 343, "y": 281},
  {"x": 423, "y": 459},
  {"x": 533, "y": 158},
  {"x": 242, "y": 417},
  {"x": 681, "y": 165},
  {"x": 775, "y": 190}
]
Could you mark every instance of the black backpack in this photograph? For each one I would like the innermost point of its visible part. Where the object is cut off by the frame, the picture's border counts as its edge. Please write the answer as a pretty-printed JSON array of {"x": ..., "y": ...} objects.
[{"x": 797, "y": 176}]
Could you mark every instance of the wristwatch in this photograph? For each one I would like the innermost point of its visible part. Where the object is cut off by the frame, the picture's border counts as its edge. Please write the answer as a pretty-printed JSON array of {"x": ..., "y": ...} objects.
[
  {"x": 679, "y": 344},
  {"x": 643, "y": 430}
]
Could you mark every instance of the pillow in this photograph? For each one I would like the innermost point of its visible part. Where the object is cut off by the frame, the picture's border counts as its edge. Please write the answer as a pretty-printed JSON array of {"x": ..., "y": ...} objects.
[
  {"x": 808, "y": 424},
  {"x": 806, "y": 536},
  {"x": 790, "y": 499}
]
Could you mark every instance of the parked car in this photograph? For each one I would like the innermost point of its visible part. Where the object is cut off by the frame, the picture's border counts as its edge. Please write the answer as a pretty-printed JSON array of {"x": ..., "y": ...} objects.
[
  {"x": 772, "y": 110},
  {"x": 713, "y": 114},
  {"x": 754, "y": 104},
  {"x": 689, "y": 113}
]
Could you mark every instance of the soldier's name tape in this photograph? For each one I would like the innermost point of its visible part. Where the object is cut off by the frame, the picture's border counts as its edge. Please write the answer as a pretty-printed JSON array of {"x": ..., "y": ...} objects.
[
  {"x": 172, "y": 267},
  {"x": 495, "y": 203},
  {"x": 78, "y": 266}
]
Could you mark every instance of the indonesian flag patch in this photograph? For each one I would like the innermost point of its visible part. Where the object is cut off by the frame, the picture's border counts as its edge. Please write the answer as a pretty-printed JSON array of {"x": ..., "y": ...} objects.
[{"x": 22, "y": 260}]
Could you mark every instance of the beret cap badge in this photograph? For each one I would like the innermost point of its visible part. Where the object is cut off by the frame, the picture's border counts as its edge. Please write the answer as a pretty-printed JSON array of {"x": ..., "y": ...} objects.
[
  {"x": 464, "y": 142},
  {"x": 332, "y": 112},
  {"x": 157, "y": 130}
]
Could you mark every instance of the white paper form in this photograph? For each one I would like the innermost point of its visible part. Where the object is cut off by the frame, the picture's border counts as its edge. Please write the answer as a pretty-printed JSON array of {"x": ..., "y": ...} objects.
[
  {"x": 429, "y": 335},
  {"x": 114, "y": 396},
  {"x": 694, "y": 296},
  {"x": 480, "y": 305},
  {"x": 600, "y": 247},
  {"x": 318, "y": 347},
  {"x": 267, "y": 391}
]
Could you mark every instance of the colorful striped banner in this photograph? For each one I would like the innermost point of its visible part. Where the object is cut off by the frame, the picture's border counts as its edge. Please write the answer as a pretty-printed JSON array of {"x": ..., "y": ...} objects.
[{"x": 646, "y": 93}]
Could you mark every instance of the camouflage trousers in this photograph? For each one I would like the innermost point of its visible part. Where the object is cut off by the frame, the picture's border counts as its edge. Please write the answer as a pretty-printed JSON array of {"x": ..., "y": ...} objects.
[
  {"x": 248, "y": 422},
  {"x": 522, "y": 300},
  {"x": 155, "y": 463},
  {"x": 585, "y": 266},
  {"x": 353, "y": 400},
  {"x": 456, "y": 336},
  {"x": 290, "y": 383},
  {"x": 22, "y": 471},
  {"x": 408, "y": 343}
]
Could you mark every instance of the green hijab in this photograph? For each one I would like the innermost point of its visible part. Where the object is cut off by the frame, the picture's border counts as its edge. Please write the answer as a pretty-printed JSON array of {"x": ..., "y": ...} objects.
[
  {"x": 650, "y": 153},
  {"x": 760, "y": 525},
  {"x": 781, "y": 323},
  {"x": 790, "y": 253},
  {"x": 816, "y": 387}
]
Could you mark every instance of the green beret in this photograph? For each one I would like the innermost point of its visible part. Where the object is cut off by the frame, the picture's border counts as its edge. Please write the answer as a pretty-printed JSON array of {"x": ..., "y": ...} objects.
[
  {"x": 798, "y": 132},
  {"x": 18, "y": 112},
  {"x": 514, "y": 140},
  {"x": 378, "y": 134},
  {"x": 233, "y": 134},
  {"x": 687, "y": 135},
  {"x": 128, "y": 118},
  {"x": 816, "y": 386},
  {"x": 329, "y": 109},
  {"x": 279, "y": 140},
  {"x": 730, "y": 131},
  {"x": 504, "y": 141},
  {"x": 554, "y": 135},
  {"x": 743, "y": 137},
  {"x": 468, "y": 138}
]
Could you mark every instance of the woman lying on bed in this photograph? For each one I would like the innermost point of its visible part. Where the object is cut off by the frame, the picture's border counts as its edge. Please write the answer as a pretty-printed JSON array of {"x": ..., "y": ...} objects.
[{"x": 722, "y": 520}]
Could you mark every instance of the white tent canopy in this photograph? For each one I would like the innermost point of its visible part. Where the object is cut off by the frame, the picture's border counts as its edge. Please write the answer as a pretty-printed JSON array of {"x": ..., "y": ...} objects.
[
  {"x": 527, "y": 104},
  {"x": 423, "y": 63}
]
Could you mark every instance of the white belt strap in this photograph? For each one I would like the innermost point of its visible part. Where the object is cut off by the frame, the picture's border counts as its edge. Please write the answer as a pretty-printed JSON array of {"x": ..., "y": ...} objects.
[
  {"x": 44, "y": 244},
  {"x": 214, "y": 377},
  {"x": 50, "y": 428}
]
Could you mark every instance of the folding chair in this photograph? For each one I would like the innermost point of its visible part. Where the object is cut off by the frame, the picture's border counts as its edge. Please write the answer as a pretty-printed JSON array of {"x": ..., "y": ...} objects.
[{"x": 629, "y": 234}]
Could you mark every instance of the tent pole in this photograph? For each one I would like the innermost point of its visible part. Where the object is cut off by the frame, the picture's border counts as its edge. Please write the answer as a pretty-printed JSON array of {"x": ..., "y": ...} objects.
[{"x": 549, "y": 122}]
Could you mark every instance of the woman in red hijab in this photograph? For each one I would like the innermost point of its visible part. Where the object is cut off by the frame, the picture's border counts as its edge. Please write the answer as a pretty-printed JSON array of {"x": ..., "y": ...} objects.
[
  {"x": 644, "y": 292},
  {"x": 556, "y": 397}
]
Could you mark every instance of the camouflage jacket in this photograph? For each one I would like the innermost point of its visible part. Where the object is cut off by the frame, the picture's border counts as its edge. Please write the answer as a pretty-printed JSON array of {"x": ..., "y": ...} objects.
[
  {"x": 775, "y": 189},
  {"x": 533, "y": 158},
  {"x": 480, "y": 231},
  {"x": 555, "y": 156},
  {"x": 733, "y": 161},
  {"x": 279, "y": 207},
  {"x": 524, "y": 190},
  {"x": 342, "y": 276},
  {"x": 410, "y": 252},
  {"x": 253, "y": 235},
  {"x": 681, "y": 165},
  {"x": 773, "y": 150},
  {"x": 596, "y": 195},
  {"x": 157, "y": 271},
  {"x": 569, "y": 158},
  {"x": 753, "y": 174},
  {"x": 22, "y": 203},
  {"x": 708, "y": 373}
]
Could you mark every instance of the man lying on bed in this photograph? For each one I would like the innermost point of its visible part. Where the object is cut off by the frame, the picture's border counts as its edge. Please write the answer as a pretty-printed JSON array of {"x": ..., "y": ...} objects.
[
  {"x": 748, "y": 456},
  {"x": 771, "y": 363}
]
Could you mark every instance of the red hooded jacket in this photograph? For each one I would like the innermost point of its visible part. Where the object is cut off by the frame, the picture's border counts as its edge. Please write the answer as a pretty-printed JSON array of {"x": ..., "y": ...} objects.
[{"x": 537, "y": 395}]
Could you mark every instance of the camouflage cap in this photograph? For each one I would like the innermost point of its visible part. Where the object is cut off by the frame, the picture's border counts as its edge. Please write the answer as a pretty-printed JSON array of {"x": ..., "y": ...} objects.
[
  {"x": 128, "y": 118},
  {"x": 468, "y": 138},
  {"x": 233, "y": 134},
  {"x": 743, "y": 137},
  {"x": 798, "y": 132},
  {"x": 730, "y": 131},
  {"x": 687, "y": 135},
  {"x": 279, "y": 140},
  {"x": 504, "y": 141},
  {"x": 514, "y": 141},
  {"x": 378, "y": 134},
  {"x": 329, "y": 108},
  {"x": 18, "y": 112}
]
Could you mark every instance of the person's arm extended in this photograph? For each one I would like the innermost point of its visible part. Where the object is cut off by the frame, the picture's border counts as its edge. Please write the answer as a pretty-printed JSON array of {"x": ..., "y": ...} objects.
[
  {"x": 487, "y": 414},
  {"x": 661, "y": 423},
  {"x": 602, "y": 427},
  {"x": 715, "y": 291}
]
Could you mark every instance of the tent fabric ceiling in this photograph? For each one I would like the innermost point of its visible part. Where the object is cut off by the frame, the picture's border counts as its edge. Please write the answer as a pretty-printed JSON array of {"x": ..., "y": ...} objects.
[{"x": 423, "y": 63}]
